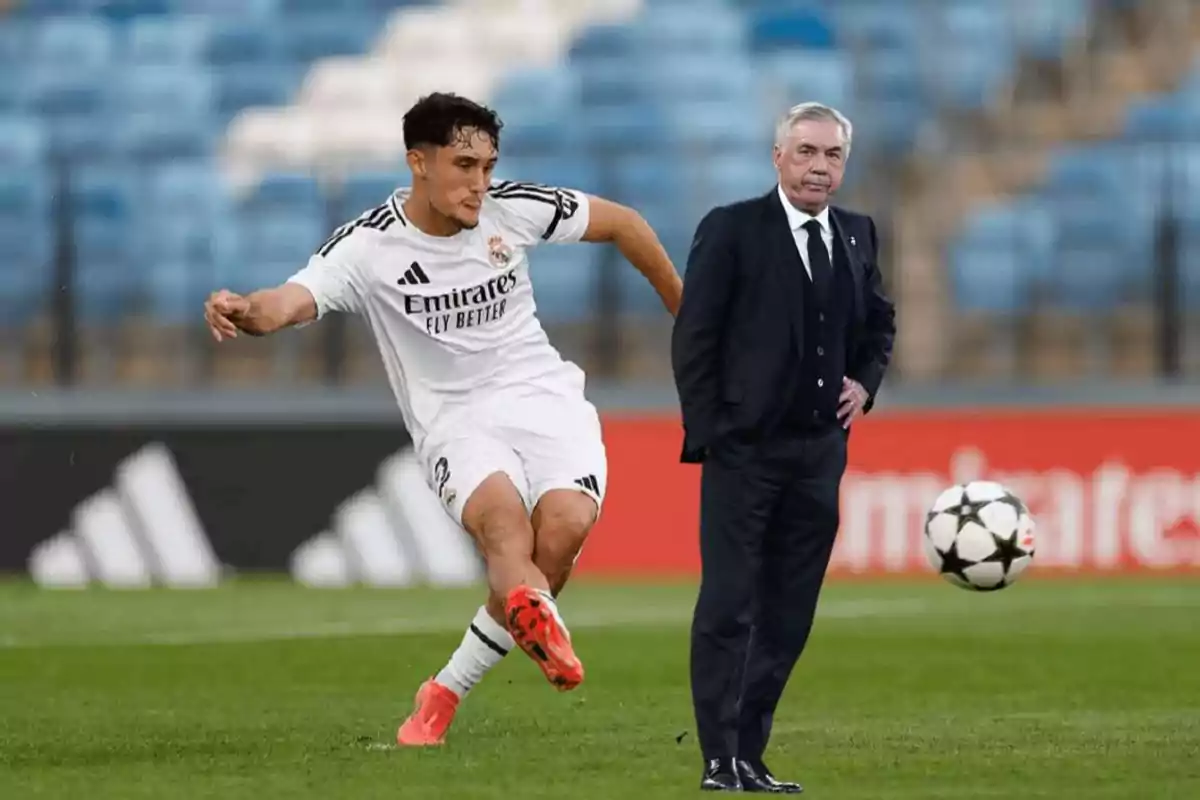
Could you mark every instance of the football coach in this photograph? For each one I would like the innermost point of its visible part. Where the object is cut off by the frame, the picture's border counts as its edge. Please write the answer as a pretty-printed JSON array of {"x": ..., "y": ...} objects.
[{"x": 780, "y": 345}]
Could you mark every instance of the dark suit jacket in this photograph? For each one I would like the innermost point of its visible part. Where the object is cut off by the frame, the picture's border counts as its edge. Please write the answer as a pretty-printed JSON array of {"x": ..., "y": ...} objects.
[{"x": 740, "y": 328}]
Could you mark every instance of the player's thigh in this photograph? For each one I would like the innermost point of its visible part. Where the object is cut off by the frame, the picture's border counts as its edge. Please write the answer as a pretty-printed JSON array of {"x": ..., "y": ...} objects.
[
  {"x": 482, "y": 485},
  {"x": 567, "y": 467}
]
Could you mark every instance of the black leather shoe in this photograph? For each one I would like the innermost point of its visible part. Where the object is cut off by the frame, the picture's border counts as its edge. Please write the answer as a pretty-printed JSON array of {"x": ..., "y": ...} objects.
[
  {"x": 755, "y": 777},
  {"x": 720, "y": 775}
]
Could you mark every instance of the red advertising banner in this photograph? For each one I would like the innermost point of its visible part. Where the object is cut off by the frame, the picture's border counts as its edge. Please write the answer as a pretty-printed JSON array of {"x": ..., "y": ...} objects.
[{"x": 1109, "y": 490}]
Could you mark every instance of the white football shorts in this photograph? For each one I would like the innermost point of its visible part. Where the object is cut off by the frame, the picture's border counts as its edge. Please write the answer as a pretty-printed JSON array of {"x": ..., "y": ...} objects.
[{"x": 541, "y": 438}]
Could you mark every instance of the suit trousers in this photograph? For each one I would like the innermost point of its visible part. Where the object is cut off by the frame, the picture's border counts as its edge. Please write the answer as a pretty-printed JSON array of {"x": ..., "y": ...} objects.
[{"x": 768, "y": 519}]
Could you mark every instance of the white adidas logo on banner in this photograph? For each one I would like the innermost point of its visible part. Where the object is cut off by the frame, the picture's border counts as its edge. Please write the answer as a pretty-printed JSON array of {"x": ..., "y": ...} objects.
[
  {"x": 140, "y": 532},
  {"x": 394, "y": 534}
]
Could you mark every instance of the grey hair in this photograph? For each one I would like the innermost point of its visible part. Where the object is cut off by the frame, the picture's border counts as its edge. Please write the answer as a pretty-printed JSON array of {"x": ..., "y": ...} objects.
[{"x": 813, "y": 111}]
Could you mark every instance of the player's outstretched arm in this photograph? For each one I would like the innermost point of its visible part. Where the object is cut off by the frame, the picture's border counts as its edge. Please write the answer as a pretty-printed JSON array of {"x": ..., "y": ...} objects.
[
  {"x": 637, "y": 241},
  {"x": 258, "y": 313}
]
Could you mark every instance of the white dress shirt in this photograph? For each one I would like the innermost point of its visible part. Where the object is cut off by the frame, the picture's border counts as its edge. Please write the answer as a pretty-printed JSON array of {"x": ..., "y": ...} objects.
[{"x": 796, "y": 219}]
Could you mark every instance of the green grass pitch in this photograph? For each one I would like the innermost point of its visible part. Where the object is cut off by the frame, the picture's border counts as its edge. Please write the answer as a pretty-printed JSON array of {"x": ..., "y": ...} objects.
[{"x": 262, "y": 690}]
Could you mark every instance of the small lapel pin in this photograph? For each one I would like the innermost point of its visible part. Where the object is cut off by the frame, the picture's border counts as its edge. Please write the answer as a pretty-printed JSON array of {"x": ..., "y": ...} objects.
[{"x": 853, "y": 242}]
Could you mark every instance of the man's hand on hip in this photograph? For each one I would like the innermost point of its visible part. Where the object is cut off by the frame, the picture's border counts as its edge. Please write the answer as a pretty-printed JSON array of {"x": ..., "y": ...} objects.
[{"x": 851, "y": 402}]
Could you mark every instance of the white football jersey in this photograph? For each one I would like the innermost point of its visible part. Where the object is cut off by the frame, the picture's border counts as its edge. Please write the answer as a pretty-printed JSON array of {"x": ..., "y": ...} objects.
[{"x": 453, "y": 316}]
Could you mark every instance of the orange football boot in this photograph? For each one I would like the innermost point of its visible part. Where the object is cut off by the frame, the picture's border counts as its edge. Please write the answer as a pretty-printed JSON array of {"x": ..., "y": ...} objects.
[
  {"x": 431, "y": 718},
  {"x": 537, "y": 629}
]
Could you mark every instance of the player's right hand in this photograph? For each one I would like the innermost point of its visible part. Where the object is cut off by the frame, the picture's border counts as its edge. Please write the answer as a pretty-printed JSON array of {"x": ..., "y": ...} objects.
[{"x": 222, "y": 311}]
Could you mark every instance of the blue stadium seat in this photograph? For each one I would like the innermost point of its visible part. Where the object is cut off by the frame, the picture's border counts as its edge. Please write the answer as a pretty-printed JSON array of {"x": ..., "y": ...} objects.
[
  {"x": 167, "y": 40},
  {"x": 104, "y": 204},
  {"x": 239, "y": 88},
  {"x": 612, "y": 130},
  {"x": 174, "y": 291},
  {"x": 734, "y": 177},
  {"x": 25, "y": 202},
  {"x": 1042, "y": 29},
  {"x": 179, "y": 264},
  {"x": 1000, "y": 256},
  {"x": 16, "y": 44},
  {"x": 232, "y": 41},
  {"x": 537, "y": 92},
  {"x": 637, "y": 296},
  {"x": 564, "y": 278},
  {"x": 707, "y": 129},
  {"x": 687, "y": 78},
  {"x": 365, "y": 190},
  {"x": 882, "y": 24},
  {"x": 104, "y": 289},
  {"x": 342, "y": 7},
  {"x": 643, "y": 179},
  {"x": 167, "y": 90},
  {"x": 674, "y": 30},
  {"x": 523, "y": 137},
  {"x": 26, "y": 240},
  {"x": 78, "y": 42},
  {"x": 23, "y": 141},
  {"x": 86, "y": 137},
  {"x": 892, "y": 77},
  {"x": 791, "y": 28},
  {"x": 158, "y": 137},
  {"x": 791, "y": 77},
  {"x": 971, "y": 54},
  {"x": 564, "y": 170},
  {"x": 321, "y": 35},
  {"x": 1182, "y": 173},
  {"x": 611, "y": 81},
  {"x": 167, "y": 113},
  {"x": 289, "y": 193},
  {"x": 53, "y": 89},
  {"x": 126, "y": 10},
  {"x": 1163, "y": 118},
  {"x": 54, "y": 8},
  {"x": 187, "y": 189},
  {"x": 969, "y": 75},
  {"x": 1102, "y": 250},
  {"x": 613, "y": 40},
  {"x": 272, "y": 247},
  {"x": 11, "y": 90},
  {"x": 1107, "y": 170},
  {"x": 243, "y": 9},
  {"x": 104, "y": 207}
]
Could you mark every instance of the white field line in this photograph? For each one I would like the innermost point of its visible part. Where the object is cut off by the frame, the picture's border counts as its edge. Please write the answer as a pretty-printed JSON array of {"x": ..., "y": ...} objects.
[
  {"x": 581, "y": 619},
  {"x": 957, "y": 603}
]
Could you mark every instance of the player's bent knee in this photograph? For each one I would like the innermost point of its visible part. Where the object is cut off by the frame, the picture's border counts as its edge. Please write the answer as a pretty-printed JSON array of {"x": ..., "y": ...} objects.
[{"x": 561, "y": 523}]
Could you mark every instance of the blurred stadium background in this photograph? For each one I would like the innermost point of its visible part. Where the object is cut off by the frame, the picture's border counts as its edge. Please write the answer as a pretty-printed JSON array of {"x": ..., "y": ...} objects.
[
  {"x": 1033, "y": 166},
  {"x": 1034, "y": 169}
]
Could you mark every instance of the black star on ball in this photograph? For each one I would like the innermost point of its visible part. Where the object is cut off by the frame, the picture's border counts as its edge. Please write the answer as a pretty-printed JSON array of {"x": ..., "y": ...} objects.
[
  {"x": 954, "y": 564},
  {"x": 968, "y": 511},
  {"x": 1013, "y": 501},
  {"x": 1007, "y": 551}
]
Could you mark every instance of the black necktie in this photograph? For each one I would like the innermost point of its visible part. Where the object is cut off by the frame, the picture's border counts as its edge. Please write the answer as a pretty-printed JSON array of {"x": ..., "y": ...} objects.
[{"x": 818, "y": 259}]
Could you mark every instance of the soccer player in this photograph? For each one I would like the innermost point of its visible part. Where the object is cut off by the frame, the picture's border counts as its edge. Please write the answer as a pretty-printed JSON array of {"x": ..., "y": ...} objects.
[{"x": 497, "y": 417}]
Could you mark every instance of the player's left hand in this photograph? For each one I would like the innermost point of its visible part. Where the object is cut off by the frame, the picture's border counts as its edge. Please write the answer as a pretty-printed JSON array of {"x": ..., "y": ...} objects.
[{"x": 851, "y": 402}]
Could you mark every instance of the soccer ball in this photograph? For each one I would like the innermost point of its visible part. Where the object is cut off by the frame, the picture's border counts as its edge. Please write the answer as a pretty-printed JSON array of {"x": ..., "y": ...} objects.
[{"x": 979, "y": 536}]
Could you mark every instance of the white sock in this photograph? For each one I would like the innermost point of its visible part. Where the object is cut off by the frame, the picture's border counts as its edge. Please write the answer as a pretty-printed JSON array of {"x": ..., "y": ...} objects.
[
  {"x": 484, "y": 645},
  {"x": 553, "y": 604}
]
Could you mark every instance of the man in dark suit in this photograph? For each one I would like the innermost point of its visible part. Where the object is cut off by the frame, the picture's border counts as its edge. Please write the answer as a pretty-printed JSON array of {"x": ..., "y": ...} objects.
[{"x": 780, "y": 344}]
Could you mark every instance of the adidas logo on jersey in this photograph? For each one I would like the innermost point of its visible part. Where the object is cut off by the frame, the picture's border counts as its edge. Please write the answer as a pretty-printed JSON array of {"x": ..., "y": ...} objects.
[
  {"x": 140, "y": 532},
  {"x": 589, "y": 483},
  {"x": 413, "y": 276},
  {"x": 390, "y": 535}
]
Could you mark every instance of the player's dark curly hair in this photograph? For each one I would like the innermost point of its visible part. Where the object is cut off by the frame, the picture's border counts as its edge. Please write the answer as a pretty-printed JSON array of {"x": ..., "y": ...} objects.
[{"x": 438, "y": 118}]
